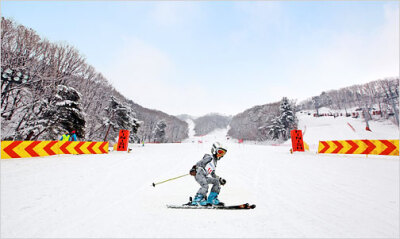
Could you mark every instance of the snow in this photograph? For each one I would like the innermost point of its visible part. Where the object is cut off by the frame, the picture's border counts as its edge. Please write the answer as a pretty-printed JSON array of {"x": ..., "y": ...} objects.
[
  {"x": 297, "y": 195},
  {"x": 66, "y": 102},
  {"x": 317, "y": 129},
  {"x": 191, "y": 125}
]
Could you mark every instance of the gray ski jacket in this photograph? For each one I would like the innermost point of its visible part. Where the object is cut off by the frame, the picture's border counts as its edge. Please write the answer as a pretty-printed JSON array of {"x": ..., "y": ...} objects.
[{"x": 207, "y": 165}]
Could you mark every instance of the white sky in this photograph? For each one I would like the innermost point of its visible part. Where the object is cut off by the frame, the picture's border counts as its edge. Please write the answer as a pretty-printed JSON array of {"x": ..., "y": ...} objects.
[{"x": 198, "y": 57}]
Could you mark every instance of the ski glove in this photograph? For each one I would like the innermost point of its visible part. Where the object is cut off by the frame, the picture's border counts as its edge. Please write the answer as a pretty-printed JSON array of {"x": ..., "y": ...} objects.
[
  {"x": 193, "y": 171},
  {"x": 222, "y": 181}
]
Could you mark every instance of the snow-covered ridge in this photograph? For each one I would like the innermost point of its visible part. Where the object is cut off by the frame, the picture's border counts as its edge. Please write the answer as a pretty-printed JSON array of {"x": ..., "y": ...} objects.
[
  {"x": 316, "y": 129},
  {"x": 343, "y": 128}
]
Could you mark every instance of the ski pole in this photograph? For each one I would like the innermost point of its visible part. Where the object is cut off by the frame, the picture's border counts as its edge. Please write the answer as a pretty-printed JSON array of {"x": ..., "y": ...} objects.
[{"x": 154, "y": 184}]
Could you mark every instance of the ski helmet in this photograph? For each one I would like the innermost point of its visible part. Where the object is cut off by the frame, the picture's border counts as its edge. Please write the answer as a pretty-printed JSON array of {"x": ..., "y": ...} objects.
[{"x": 218, "y": 150}]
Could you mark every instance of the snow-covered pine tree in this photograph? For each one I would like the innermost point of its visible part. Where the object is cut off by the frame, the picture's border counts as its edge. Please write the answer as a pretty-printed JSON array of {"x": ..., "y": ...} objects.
[
  {"x": 159, "y": 132},
  {"x": 287, "y": 117},
  {"x": 276, "y": 129},
  {"x": 69, "y": 114},
  {"x": 316, "y": 100},
  {"x": 55, "y": 115},
  {"x": 119, "y": 117}
]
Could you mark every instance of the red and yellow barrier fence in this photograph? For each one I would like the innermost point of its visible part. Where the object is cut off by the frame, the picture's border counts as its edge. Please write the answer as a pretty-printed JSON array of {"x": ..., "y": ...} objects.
[
  {"x": 378, "y": 147},
  {"x": 26, "y": 149}
]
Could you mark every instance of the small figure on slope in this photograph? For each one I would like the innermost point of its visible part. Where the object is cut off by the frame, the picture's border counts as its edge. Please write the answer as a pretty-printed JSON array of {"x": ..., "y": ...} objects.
[
  {"x": 73, "y": 136},
  {"x": 65, "y": 136},
  {"x": 204, "y": 173}
]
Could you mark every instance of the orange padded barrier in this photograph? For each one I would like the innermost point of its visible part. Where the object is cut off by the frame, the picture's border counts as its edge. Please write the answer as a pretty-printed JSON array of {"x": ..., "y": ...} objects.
[
  {"x": 26, "y": 149},
  {"x": 378, "y": 147}
]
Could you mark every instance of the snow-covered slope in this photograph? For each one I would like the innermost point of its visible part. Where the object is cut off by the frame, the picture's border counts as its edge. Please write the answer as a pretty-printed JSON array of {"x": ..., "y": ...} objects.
[
  {"x": 297, "y": 195},
  {"x": 342, "y": 128},
  {"x": 191, "y": 128}
]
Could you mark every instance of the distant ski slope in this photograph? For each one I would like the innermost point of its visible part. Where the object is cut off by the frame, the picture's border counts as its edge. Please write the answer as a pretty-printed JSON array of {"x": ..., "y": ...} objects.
[{"x": 330, "y": 128}]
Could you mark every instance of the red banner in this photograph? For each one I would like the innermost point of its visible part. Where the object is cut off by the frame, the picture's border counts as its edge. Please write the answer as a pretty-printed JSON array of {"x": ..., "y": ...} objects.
[
  {"x": 123, "y": 140},
  {"x": 297, "y": 140}
]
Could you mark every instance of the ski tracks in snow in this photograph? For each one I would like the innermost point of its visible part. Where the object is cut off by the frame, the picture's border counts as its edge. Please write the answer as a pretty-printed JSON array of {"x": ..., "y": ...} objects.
[{"x": 297, "y": 195}]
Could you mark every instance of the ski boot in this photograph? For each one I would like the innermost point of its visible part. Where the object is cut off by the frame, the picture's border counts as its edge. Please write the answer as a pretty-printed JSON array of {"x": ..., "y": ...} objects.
[
  {"x": 213, "y": 199},
  {"x": 199, "y": 200}
]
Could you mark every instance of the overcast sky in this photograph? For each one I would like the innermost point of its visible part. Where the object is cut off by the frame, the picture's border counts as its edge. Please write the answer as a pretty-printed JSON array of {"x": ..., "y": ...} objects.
[{"x": 197, "y": 57}]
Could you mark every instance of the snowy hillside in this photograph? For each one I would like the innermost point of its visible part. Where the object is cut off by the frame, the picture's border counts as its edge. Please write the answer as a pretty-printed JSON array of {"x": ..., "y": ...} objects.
[
  {"x": 342, "y": 128},
  {"x": 297, "y": 195},
  {"x": 206, "y": 124}
]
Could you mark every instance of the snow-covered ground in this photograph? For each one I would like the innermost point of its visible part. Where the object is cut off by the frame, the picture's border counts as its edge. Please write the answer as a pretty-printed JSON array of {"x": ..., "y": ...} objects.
[
  {"x": 297, "y": 195},
  {"x": 191, "y": 125},
  {"x": 341, "y": 128}
]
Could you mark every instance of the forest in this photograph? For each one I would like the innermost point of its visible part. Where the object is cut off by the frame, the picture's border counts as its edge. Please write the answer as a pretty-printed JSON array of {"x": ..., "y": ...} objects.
[{"x": 49, "y": 88}]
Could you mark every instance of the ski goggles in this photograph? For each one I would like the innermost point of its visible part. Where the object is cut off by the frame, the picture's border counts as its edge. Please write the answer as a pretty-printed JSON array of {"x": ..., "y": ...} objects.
[{"x": 221, "y": 152}]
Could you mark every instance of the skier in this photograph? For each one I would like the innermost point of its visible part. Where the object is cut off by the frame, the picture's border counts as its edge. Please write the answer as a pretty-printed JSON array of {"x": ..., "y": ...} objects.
[
  {"x": 73, "y": 136},
  {"x": 201, "y": 170},
  {"x": 65, "y": 137}
]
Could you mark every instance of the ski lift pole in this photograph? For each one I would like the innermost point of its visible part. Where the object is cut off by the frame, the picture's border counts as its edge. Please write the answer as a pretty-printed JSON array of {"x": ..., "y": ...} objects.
[{"x": 154, "y": 184}]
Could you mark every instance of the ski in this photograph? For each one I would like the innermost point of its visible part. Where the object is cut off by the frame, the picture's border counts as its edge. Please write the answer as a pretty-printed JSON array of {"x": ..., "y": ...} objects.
[
  {"x": 231, "y": 207},
  {"x": 221, "y": 206}
]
